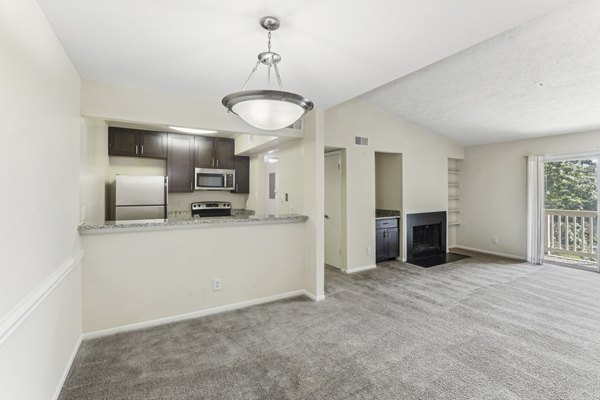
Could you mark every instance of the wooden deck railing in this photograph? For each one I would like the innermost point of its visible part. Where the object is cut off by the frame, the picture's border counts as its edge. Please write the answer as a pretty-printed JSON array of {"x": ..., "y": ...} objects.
[{"x": 571, "y": 232}]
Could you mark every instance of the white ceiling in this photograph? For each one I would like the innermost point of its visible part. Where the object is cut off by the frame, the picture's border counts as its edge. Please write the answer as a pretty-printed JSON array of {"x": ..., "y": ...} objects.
[
  {"x": 541, "y": 78},
  {"x": 333, "y": 50}
]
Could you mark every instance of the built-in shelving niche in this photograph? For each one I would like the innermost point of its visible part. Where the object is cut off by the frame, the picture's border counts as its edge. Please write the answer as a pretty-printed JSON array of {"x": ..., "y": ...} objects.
[{"x": 454, "y": 199}]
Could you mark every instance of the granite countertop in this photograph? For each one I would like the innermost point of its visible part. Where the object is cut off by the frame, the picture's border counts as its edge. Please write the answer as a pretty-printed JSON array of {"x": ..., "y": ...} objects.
[
  {"x": 387, "y": 214},
  {"x": 183, "y": 222}
]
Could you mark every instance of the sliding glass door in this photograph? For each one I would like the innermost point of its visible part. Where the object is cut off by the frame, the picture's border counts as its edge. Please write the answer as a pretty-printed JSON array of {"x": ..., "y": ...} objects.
[{"x": 570, "y": 215}]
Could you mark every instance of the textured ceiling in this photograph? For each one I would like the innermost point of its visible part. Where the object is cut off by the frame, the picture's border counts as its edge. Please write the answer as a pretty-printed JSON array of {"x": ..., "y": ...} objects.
[
  {"x": 333, "y": 50},
  {"x": 538, "y": 79}
]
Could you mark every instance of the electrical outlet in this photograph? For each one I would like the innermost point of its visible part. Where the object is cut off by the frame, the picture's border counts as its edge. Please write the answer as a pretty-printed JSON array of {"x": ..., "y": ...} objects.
[
  {"x": 217, "y": 284},
  {"x": 494, "y": 239},
  {"x": 369, "y": 250}
]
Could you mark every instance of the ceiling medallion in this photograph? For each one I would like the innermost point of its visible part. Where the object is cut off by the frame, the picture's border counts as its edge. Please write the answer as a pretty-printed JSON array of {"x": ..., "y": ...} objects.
[{"x": 268, "y": 109}]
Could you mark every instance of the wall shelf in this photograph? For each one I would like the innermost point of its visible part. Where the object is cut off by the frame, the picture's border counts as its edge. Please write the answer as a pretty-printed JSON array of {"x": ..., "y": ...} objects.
[{"x": 454, "y": 196}]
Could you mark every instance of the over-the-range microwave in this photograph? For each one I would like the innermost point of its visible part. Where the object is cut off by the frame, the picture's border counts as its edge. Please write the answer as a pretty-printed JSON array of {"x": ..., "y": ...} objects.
[{"x": 214, "y": 179}]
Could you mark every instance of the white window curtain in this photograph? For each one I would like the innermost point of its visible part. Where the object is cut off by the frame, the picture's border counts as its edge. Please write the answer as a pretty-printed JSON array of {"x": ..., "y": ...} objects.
[{"x": 535, "y": 208}]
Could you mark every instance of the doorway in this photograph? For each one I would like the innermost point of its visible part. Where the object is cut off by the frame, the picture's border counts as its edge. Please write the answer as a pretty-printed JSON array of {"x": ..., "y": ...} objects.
[
  {"x": 333, "y": 209},
  {"x": 571, "y": 212}
]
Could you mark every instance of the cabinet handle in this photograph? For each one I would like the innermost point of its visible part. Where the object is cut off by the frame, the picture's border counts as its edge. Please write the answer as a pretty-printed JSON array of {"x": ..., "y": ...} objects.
[
  {"x": 136, "y": 149},
  {"x": 142, "y": 152},
  {"x": 236, "y": 187},
  {"x": 213, "y": 162},
  {"x": 191, "y": 186},
  {"x": 217, "y": 162}
]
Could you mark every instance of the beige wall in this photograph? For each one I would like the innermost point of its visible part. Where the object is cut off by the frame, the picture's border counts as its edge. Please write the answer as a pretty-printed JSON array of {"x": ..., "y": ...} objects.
[
  {"x": 142, "y": 281},
  {"x": 39, "y": 176},
  {"x": 424, "y": 173},
  {"x": 494, "y": 190},
  {"x": 388, "y": 181}
]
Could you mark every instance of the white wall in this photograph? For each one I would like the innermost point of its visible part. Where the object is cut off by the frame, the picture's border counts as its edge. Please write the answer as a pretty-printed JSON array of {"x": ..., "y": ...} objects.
[
  {"x": 494, "y": 190},
  {"x": 113, "y": 103},
  {"x": 93, "y": 170},
  {"x": 141, "y": 281},
  {"x": 39, "y": 168},
  {"x": 424, "y": 172},
  {"x": 290, "y": 177},
  {"x": 388, "y": 181}
]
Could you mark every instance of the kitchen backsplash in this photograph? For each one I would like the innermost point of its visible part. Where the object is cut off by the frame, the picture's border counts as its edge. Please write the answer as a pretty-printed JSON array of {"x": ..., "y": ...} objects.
[{"x": 182, "y": 201}]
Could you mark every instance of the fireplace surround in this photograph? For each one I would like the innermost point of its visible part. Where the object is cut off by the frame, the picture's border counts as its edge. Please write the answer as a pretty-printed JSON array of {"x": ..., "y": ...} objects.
[{"x": 425, "y": 234}]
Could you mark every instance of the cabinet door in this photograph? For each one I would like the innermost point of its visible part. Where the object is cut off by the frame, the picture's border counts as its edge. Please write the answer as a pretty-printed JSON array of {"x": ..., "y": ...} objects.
[
  {"x": 153, "y": 144},
  {"x": 122, "y": 142},
  {"x": 224, "y": 153},
  {"x": 380, "y": 239},
  {"x": 205, "y": 155},
  {"x": 180, "y": 163},
  {"x": 391, "y": 244},
  {"x": 242, "y": 175}
]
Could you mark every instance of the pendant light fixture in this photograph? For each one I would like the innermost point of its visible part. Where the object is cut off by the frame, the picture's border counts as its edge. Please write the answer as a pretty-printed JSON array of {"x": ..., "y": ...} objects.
[{"x": 268, "y": 109}]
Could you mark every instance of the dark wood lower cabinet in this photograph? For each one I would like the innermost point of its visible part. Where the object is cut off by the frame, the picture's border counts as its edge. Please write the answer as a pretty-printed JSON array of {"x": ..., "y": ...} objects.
[
  {"x": 387, "y": 245},
  {"x": 242, "y": 175},
  {"x": 180, "y": 163}
]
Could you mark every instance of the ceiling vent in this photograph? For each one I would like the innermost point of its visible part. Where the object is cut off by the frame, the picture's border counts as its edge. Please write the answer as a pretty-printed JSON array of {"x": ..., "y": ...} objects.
[{"x": 361, "y": 141}]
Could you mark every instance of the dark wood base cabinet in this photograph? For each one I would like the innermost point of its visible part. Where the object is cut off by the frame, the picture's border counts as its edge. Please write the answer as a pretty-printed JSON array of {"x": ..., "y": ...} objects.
[{"x": 386, "y": 239}]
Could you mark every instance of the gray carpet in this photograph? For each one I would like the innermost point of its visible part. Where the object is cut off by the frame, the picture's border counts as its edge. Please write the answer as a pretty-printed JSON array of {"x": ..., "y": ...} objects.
[{"x": 474, "y": 329}]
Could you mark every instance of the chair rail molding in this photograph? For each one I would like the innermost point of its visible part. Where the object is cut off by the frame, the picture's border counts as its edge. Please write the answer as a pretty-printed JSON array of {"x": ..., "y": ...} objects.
[{"x": 15, "y": 317}]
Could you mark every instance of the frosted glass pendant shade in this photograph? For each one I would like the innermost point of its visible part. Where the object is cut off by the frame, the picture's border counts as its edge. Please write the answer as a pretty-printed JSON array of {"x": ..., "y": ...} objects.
[{"x": 268, "y": 109}]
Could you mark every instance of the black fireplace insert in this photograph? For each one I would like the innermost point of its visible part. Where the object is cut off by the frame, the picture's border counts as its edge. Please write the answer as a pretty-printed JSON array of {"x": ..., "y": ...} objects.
[{"x": 425, "y": 234}]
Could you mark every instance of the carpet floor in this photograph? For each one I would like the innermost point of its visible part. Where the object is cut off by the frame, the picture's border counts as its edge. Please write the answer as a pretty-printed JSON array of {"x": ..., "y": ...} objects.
[{"x": 478, "y": 328}]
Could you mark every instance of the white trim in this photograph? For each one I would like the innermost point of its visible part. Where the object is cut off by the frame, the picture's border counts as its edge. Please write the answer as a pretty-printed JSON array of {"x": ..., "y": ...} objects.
[
  {"x": 313, "y": 297},
  {"x": 15, "y": 317},
  {"x": 63, "y": 378},
  {"x": 493, "y": 253},
  {"x": 194, "y": 314},
  {"x": 360, "y": 269}
]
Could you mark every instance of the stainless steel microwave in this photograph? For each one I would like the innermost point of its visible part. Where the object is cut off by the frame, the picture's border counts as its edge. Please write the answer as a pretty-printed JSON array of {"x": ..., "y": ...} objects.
[{"x": 214, "y": 179}]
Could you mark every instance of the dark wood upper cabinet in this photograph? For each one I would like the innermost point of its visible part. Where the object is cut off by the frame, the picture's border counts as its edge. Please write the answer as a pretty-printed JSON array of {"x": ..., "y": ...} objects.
[
  {"x": 215, "y": 152},
  {"x": 153, "y": 144},
  {"x": 122, "y": 142},
  {"x": 224, "y": 153},
  {"x": 180, "y": 163},
  {"x": 136, "y": 143},
  {"x": 242, "y": 175},
  {"x": 205, "y": 152}
]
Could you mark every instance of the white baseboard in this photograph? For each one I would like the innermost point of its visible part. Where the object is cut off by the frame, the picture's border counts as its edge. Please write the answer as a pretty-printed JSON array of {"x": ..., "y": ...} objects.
[
  {"x": 360, "y": 269},
  {"x": 313, "y": 297},
  {"x": 493, "y": 253},
  {"x": 63, "y": 378},
  {"x": 15, "y": 317},
  {"x": 197, "y": 314}
]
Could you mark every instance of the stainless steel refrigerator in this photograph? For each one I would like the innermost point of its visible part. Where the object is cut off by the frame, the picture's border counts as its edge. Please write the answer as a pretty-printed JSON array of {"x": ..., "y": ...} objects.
[{"x": 140, "y": 197}]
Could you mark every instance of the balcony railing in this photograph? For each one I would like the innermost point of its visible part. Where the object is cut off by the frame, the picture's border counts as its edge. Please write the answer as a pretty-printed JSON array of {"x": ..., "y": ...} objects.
[{"x": 570, "y": 232}]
